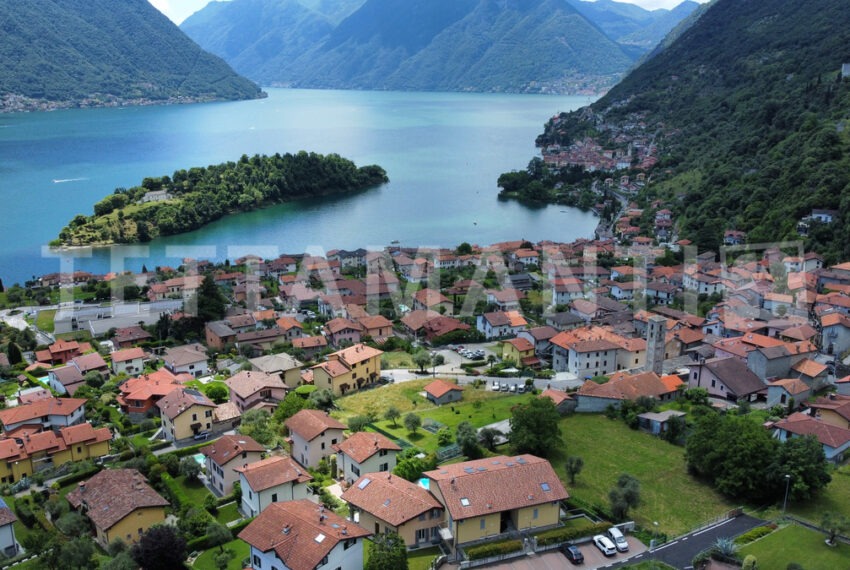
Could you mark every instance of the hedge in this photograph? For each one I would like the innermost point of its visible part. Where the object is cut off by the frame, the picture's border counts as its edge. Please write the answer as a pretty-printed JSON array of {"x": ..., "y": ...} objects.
[
  {"x": 753, "y": 534},
  {"x": 565, "y": 534},
  {"x": 200, "y": 543},
  {"x": 493, "y": 549},
  {"x": 177, "y": 497},
  {"x": 75, "y": 477}
]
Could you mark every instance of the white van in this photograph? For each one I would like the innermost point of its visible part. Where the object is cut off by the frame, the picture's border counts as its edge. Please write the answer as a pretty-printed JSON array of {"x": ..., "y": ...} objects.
[{"x": 618, "y": 539}]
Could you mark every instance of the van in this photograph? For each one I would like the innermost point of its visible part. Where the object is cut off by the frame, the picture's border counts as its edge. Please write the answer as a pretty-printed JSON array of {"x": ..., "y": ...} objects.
[{"x": 618, "y": 539}]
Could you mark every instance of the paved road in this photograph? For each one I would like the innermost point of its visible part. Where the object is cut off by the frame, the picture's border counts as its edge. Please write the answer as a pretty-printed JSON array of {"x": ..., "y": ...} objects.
[{"x": 681, "y": 551}]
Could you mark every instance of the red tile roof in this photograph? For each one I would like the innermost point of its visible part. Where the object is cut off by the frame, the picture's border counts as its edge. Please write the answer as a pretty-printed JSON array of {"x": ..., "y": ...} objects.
[
  {"x": 391, "y": 499},
  {"x": 113, "y": 494},
  {"x": 300, "y": 533},
  {"x": 273, "y": 471},
  {"x": 127, "y": 354},
  {"x": 309, "y": 424},
  {"x": 439, "y": 388},
  {"x": 36, "y": 410},
  {"x": 229, "y": 447},
  {"x": 248, "y": 382},
  {"x": 362, "y": 445},
  {"x": 799, "y": 423}
]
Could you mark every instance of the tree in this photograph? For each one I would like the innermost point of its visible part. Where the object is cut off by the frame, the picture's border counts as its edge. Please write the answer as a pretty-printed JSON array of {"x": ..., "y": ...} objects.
[
  {"x": 190, "y": 468},
  {"x": 94, "y": 379},
  {"x": 211, "y": 303},
  {"x": 160, "y": 547},
  {"x": 218, "y": 393},
  {"x": 534, "y": 427},
  {"x": 323, "y": 399},
  {"x": 358, "y": 423},
  {"x": 222, "y": 559},
  {"x": 573, "y": 467},
  {"x": 750, "y": 563},
  {"x": 72, "y": 524},
  {"x": 834, "y": 524},
  {"x": 122, "y": 561},
  {"x": 218, "y": 535},
  {"x": 291, "y": 405},
  {"x": 444, "y": 437},
  {"x": 392, "y": 414},
  {"x": 802, "y": 458},
  {"x": 257, "y": 424},
  {"x": 490, "y": 437},
  {"x": 624, "y": 496},
  {"x": 412, "y": 422},
  {"x": 421, "y": 358},
  {"x": 464, "y": 249},
  {"x": 14, "y": 354},
  {"x": 467, "y": 439},
  {"x": 77, "y": 553},
  {"x": 388, "y": 552},
  {"x": 171, "y": 463}
]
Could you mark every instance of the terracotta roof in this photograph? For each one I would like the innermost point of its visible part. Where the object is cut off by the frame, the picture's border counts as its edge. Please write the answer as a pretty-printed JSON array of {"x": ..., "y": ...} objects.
[
  {"x": 521, "y": 344},
  {"x": 309, "y": 424},
  {"x": 556, "y": 396},
  {"x": 485, "y": 486},
  {"x": 84, "y": 433},
  {"x": 629, "y": 387},
  {"x": 735, "y": 375},
  {"x": 791, "y": 385},
  {"x": 249, "y": 382},
  {"x": 156, "y": 384},
  {"x": 43, "y": 441},
  {"x": 809, "y": 368},
  {"x": 127, "y": 354},
  {"x": 89, "y": 362},
  {"x": 356, "y": 353},
  {"x": 430, "y": 297},
  {"x": 415, "y": 320},
  {"x": 287, "y": 323},
  {"x": 113, "y": 494},
  {"x": 300, "y": 532},
  {"x": 183, "y": 355},
  {"x": 6, "y": 514},
  {"x": 229, "y": 447},
  {"x": 273, "y": 471},
  {"x": 362, "y": 445},
  {"x": 391, "y": 499},
  {"x": 799, "y": 423},
  {"x": 309, "y": 342},
  {"x": 181, "y": 399},
  {"x": 226, "y": 412},
  {"x": 339, "y": 324},
  {"x": 439, "y": 388},
  {"x": 36, "y": 410}
]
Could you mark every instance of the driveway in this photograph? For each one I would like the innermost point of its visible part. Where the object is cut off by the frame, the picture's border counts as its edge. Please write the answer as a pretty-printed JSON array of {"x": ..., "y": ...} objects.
[{"x": 554, "y": 560}]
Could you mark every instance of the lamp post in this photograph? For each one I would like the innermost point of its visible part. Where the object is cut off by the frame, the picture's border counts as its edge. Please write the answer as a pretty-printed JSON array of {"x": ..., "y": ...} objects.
[
  {"x": 654, "y": 535},
  {"x": 787, "y": 486}
]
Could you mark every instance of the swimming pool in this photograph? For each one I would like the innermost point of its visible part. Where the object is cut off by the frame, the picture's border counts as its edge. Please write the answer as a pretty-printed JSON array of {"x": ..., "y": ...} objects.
[{"x": 425, "y": 483}]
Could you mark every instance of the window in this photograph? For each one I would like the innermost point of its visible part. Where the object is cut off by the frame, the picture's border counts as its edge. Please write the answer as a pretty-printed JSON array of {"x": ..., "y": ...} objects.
[
  {"x": 333, "y": 441},
  {"x": 483, "y": 524},
  {"x": 713, "y": 383},
  {"x": 349, "y": 543},
  {"x": 244, "y": 454},
  {"x": 422, "y": 517},
  {"x": 274, "y": 497},
  {"x": 382, "y": 453},
  {"x": 208, "y": 414},
  {"x": 257, "y": 562},
  {"x": 323, "y": 445},
  {"x": 194, "y": 417},
  {"x": 534, "y": 514}
]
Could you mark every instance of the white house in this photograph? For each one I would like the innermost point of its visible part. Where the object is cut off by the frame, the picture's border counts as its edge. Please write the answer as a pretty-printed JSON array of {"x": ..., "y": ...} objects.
[
  {"x": 129, "y": 361},
  {"x": 501, "y": 324},
  {"x": 8, "y": 543},
  {"x": 301, "y": 535},
  {"x": 272, "y": 480},
  {"x": 365, "y": 452},
  {"x": 312, "y": 435},
  {"x": 225, "y": 455},
  {"x": 191, "y": 359},
  {"x": 586, "y": 358}
]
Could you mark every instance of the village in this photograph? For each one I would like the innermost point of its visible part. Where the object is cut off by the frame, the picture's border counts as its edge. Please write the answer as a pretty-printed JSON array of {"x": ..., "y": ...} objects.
[{"x": 314, "y": 411}]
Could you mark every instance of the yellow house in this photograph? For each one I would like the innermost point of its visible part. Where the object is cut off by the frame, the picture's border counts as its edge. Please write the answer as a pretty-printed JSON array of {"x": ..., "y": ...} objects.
[
  {"x": 348, "y": 369},
  {"x": 388, "y": 503},
  {"x": 119, "y": 503},
  {"x": 834, "y": 410},
  {"x": 185, "y": 413},
  {"x": 82, "y": 442},
  {"x": 517, "y": 349},
  {"x": 14, "y": 462},
  {"x": 489, "y": 497}
]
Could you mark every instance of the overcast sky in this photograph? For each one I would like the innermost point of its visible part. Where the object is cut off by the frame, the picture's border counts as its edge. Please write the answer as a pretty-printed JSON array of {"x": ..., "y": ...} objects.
[{"x": 179, "y": 10}]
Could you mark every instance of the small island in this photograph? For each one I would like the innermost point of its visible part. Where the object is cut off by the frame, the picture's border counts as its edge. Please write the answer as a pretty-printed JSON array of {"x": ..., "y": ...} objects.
[{"x": 193, "y": 198}]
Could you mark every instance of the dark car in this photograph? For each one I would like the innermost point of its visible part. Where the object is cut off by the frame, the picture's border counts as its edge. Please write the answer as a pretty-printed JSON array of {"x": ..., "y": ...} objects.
[{"x": 573, "y": 554}]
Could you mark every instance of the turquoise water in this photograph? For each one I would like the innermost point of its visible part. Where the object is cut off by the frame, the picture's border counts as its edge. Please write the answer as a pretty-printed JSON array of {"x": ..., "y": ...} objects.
[
  {"x": 200, "y": 458},
  {"x": 425, "y": 483},
  {"x": 443, "y": 153}
]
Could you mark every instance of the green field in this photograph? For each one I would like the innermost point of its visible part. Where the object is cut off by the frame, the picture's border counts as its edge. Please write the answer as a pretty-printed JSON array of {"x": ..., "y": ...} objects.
[
  {"x": 836, "y": 498},
  {"x": 669, "y": 495},
  {"x": 241, "y": 550},
  {"x": 797, "y": 544},
  {"x": 44, "y": 320},
  {"x": 228, "y": 513}
]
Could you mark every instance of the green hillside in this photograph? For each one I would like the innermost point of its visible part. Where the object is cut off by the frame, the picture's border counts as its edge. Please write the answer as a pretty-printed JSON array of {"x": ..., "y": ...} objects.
[
  {"x": 750, "y": 113},
  {"x": 72, "y": 52}
]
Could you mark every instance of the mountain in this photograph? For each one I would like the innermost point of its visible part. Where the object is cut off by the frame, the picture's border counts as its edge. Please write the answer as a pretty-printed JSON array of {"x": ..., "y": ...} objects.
[
  {"x": 59, "y": 53},
  {"x": 631, "y": 25},
  {"x": 456, "y": 45},
  {"x": 750, "y": 112}
]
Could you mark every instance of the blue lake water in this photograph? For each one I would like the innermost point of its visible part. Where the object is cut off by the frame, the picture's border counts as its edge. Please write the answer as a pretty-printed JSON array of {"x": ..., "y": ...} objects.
[{"x": 443, "y": 153}]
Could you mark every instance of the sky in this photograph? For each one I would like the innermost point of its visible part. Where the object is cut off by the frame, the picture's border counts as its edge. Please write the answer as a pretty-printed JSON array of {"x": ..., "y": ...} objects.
[{"x": 179, "y": 10}]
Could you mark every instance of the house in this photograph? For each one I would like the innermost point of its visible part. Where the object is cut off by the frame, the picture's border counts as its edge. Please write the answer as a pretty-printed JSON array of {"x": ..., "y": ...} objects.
[
  {"x": 191, "y": 359},
  {"x": 834, "y": 410},
  {"x": 813, "y": 373},
  {"x": 65, "y": 379},
  {"x": 8, "y": 543},
  {"x": 657, "y": 423},
  {"x": 501, "y": 324},
  {"x": 378, "y": 327},
  {"x": 388, "y": 503},
  {"x": 128, "y": 337},
  {"x": 185, "y": 413},
  {"x": 429, "y": 325},
  {"x": 565, "y": 321},
  {"x": 836, "y": 333},
  {"x": 82, "y": 442},
  {"x": 282, "y": 365},
  {"x": 139, "y": 395},
  {"x": 563, "y": 401},
  {"x": 365, "y": 452},
  {"x": 250, "y": 388},
  {"x": 584, "y": 358},
  {"x": 492, "y": 496},
  {"x": 311, "y": 345},
  {"x": 520, "y": 351},
  {"x": 312, "y": 434},
  {"x": 226, "y": 454},
  {"x": 594, "y": 397},
  {"x": 49, "y": 413},
  {"x": 505, "y": 299},
  {"x": 443, "y": 392},
  {"x": 541, "y": 338},
  {"x": 271, "y": 480},
  {"x": 128, "y": 361},
  {"x": 727, "y": 378},
  {"x": 219, "y": 334},
  {"x": 432, "y": 300},
  {"x": 340, "y": 331},
  {"x": 788, "y": 392},
  {"x": 61, "y": 352},
  {"x": 348, "y": 369},
  {"x": 119, "y": 503},
  {"x": 300, "y": 535},
  {"x": 835, "y": 440}
]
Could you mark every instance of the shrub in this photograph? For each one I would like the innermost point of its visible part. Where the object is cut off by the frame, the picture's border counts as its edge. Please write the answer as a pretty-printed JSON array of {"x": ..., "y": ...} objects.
[
  {"x": 493, "y": 549},
  {"x": 753, "y": 534},
  {"x": 25, "y": 514},
  {"x": 559, "y": 535}
]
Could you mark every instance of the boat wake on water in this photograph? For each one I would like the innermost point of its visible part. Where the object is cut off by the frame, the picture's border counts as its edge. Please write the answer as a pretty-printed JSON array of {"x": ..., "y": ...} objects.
[{"x": 63, "y": 180}]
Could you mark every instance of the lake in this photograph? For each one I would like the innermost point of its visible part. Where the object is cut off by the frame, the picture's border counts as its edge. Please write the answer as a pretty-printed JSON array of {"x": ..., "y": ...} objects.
[{"x": 443, "y": 153}]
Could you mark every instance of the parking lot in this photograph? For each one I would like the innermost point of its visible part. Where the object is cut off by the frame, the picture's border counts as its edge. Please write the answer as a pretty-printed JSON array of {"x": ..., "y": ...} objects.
[{"x": 593, "y": 558}]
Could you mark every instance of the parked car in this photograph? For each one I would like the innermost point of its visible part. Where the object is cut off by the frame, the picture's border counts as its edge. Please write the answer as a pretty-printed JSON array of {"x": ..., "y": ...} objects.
[
  {"x": 513, "y": 388},
  {"x": 202, "y": 435},
  {"x": 505, "y": 387},
  {"x": 496, "y": 386},
  {"x": 520, "y": 389},
  {"x": 604, "y": 544},
  {"x": 618, "y": 539},
  {"x": 573, "y": 554}
]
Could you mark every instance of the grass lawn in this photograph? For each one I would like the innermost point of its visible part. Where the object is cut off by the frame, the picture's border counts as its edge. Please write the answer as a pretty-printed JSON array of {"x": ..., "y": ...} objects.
[
  {"x": 396, "y": 359},
  {"x": 797, "y": 544},
  {"x": 421, "y": 559},
  {"x": 195, "y": 490},
  {"x": 668, "y": 494},
  {"x": 206, "y": 561},
  {"x": 227, "y": 513},
  {"x": 836, "y": 498},
  {"x": 44, "y": 320}
]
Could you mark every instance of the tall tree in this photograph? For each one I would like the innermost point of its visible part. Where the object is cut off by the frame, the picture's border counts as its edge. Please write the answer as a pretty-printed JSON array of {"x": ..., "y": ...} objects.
[
  {"x": 467, "y": 439},
  {"x": 392, "y": 414},
  {"x": 14, "y": 354},
  {"x": 211, "y": 302},
  {"x": 534, "y": 427},
  {"x": 388, "y": 552},
  {"x": 802, "y": 458},
  {"x": 412, "y": 422},
  {"x": 573, "y": 467},
  {"x": 160, "y": 547},
  {"x": 624, "y": 496}
]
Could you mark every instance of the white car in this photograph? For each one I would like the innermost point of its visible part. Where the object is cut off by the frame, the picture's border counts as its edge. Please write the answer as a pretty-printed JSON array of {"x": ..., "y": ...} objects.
[
  {"x": 618, "y": 539},
  {"x": 604, "y": 544},
  {"x": 495, "y": 386}
]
